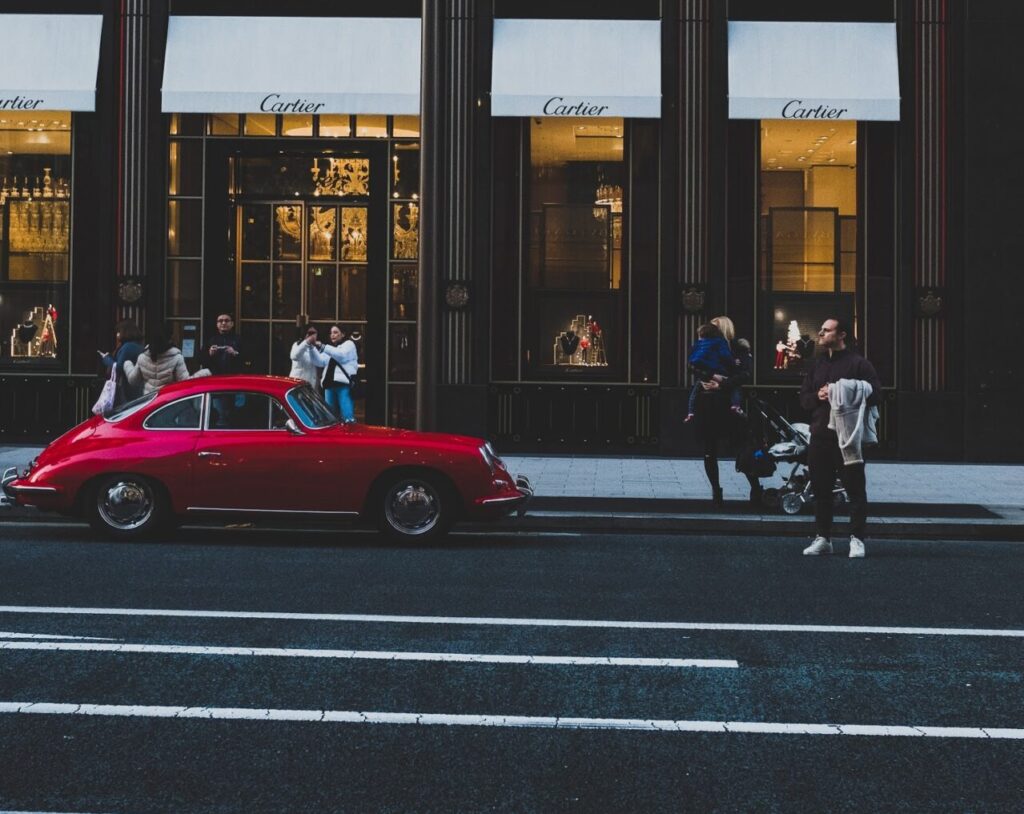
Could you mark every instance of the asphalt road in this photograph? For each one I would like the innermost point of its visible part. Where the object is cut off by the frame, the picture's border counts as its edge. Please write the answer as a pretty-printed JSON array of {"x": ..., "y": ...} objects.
[{"x": 275, "y": 670}]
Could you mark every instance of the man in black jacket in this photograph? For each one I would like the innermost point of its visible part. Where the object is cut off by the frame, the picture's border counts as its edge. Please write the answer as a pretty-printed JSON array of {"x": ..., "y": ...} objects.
[
  {"x": 824, "y": 456},
  {"x": 223, "y": 354}
]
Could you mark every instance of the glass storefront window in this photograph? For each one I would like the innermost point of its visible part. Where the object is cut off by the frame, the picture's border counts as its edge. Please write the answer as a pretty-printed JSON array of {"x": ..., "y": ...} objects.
[
  {"x": 371, "y": 126},
  {"x": 35, "y": 236},
  {"x": 223, "y": 124},
  {"x": 260, "y": 124},
  {"x": 406, "y": 127},
  {"x": 574, "y": 314},
  {"x": 296, "y": 125},
  {"x": 808, "y": 217},
  {"x": 335, "y": 126}
]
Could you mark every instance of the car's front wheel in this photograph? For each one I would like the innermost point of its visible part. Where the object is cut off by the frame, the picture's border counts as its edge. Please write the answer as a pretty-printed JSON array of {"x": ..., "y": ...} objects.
[
  {"x": 127, "y": 506},
  {"x": 415, "y": 508}
]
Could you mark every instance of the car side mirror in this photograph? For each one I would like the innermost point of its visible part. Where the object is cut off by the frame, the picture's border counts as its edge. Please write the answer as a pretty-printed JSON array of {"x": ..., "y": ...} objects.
[{"x": 292, "y": 427}]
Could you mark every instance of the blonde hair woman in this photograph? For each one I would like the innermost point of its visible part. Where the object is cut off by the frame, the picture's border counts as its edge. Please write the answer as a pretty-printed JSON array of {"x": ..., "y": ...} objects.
[{"x": 713, "y": 418}]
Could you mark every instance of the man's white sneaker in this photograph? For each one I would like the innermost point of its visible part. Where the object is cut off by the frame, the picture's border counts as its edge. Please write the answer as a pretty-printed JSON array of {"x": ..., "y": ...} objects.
[
  {"x": 856, "y": 547},
  {"x": 819, "y": 546}
]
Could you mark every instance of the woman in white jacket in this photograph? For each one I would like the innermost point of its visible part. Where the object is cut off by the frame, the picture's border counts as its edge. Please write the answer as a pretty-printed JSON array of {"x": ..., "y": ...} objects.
[
  {"x": 340, "y": 361},
  {"x": 159, "y": 364},
  {"x": 306, "y": 363}
]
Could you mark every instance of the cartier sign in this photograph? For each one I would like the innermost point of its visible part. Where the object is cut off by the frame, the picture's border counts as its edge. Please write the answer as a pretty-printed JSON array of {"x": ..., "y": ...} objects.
[
  {"x": 796, "y": 109},
  {"x": 558, "y": 106},
  {"x": 19, "y": 103},
  {"x": 273, "y": 103}
]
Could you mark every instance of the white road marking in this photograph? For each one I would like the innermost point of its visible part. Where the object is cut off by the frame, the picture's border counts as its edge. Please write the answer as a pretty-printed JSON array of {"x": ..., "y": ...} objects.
[
  {"x": 517, "y": 622},
  {"x": 372, "y": 655},
  {"x": 511, "y": 721},
  {"x": 7, "y": 635}
]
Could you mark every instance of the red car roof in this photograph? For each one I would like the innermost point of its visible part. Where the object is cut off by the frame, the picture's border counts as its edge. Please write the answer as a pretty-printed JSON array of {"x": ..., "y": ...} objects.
[{"x": 259, "y": 384}]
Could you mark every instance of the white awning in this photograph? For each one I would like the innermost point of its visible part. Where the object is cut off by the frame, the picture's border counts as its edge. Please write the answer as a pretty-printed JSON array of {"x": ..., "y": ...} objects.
[
  {"x": 49, "y": 61},
  {"x": 813, "y": 71},
  {"x": 292, "y": 65},
  {"x": 576, "y": 68}
]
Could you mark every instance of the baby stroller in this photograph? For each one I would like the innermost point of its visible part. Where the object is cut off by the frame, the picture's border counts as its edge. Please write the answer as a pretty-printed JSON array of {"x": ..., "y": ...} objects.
[{"x": 786, "y": 443}]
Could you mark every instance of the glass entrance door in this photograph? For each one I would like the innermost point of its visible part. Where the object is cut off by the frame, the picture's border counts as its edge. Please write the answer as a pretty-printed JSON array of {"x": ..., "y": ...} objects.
[{"x": 303, "y": 232}]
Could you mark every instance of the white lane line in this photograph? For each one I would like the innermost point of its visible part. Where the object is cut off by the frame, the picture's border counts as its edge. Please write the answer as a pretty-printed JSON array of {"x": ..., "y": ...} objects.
[
  {"x": 372, "y": 655},
  {"x": 516, "y": 622},
  {"x": 511, "y": 721},
  {"x": 8, "y": 635}
]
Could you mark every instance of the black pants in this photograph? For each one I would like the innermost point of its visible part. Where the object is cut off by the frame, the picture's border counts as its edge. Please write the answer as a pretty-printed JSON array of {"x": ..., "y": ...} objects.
[{"x": 825, "y": 460}]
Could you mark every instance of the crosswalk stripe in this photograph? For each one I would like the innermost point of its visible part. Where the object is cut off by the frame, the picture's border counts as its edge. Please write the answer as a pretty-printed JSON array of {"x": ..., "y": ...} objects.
[{"x": 509, "y": 721}]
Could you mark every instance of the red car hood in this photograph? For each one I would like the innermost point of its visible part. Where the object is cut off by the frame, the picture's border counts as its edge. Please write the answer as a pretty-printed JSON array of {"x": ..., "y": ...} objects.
[{"x": 368, "y": 431}]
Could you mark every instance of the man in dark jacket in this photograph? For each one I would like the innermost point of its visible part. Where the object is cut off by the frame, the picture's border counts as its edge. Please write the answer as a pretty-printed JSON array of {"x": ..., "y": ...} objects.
[
  {"x": 223, "y": 354},
  {"x": 824, "y": 456}
]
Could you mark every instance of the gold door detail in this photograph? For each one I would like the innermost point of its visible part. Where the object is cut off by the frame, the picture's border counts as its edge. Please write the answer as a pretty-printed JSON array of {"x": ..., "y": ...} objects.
[
  {"x": 341, "y": 177},
  {"x": 353, "y": 233},
  {"x": 323, "y": 222},
  {"x": 407, "y": 231}
]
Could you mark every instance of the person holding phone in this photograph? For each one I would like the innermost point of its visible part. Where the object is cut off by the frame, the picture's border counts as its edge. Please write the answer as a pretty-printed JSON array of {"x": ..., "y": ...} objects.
[{"x": 223, "y": 355}]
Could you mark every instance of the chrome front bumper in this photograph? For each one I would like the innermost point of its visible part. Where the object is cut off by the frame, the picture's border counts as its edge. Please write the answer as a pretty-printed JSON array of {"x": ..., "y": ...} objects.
[
  {"x": 6, "y": 494},
  {"x": 515, "y": 504},
  {"x": 526, "y": 490}
]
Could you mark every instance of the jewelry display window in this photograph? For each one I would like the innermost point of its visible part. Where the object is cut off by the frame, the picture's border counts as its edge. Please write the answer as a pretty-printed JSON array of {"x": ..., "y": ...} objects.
[
  {"x": 789, "y": 336},
  {"x": 35, "y": 236},
  {"x": 808, "y": 241},
  {"x": 575, "y": 316}
]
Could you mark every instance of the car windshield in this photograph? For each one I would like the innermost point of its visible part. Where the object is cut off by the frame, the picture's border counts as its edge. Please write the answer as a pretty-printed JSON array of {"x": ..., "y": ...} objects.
[
  {"x": 310, "y": 408},
  {"x": 130, "y": 407}
]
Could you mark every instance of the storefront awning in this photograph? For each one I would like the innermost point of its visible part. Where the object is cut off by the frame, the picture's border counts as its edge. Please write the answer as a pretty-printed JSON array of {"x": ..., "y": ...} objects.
[
  {"x": 297, "y": 65},
  {"x": 813, "y": 71},
  {"x": 49, "y": 61},
  {"x": 576, "y": 68}
]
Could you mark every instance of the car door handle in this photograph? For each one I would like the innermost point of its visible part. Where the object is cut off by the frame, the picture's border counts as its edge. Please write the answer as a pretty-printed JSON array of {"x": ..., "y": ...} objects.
[{"x": 208, "y": 454}]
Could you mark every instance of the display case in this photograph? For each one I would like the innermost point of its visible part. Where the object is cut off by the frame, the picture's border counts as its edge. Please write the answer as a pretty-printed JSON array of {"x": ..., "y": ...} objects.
[
  {"x": 789, "y": 335},
  {"x": 35, "y": 240}
]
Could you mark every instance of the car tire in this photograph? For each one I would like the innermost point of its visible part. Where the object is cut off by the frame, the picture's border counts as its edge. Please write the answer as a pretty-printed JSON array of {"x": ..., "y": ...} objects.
[
  {"x": 127, "y": 507},
  {"x": 415, "y": 508}
]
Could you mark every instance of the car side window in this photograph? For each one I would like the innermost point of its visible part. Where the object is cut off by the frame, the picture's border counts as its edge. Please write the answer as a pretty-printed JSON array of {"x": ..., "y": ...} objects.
[
  {"x": 184, "y": 414},
  {"x": 245, "y": 411}
]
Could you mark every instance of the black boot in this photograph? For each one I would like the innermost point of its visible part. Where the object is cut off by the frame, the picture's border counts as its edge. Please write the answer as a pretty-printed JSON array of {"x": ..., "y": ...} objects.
[
  {"x": 716, "y": 496},
  {"x": 756, "y": 493}
]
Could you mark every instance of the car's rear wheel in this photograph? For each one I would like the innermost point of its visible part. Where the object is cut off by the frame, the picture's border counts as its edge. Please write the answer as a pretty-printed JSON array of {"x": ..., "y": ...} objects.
[
  {"x": 415, "y": 508},
  {"x": 127, "y": 507}
]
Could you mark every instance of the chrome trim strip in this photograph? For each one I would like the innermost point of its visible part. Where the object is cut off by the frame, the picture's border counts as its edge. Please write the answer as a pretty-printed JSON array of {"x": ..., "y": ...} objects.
[
  {"x": 268, "y": 511},
  {"x": 489, "y": 500},
  {"x": 34, "y": 489}
]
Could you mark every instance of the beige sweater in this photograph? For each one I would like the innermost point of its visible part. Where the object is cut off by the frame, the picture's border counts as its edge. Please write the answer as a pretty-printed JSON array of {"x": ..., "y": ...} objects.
[{"x": 153, "y": 374}]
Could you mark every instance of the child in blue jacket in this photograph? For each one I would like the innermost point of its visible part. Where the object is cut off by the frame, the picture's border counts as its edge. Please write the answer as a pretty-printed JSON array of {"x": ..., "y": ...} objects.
[{"x": 710, "y": 356}]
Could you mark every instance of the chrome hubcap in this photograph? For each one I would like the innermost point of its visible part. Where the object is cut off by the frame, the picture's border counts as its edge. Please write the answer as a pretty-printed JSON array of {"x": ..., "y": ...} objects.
[
  {"x": 412, "y": 507},
  {"x": 125, "y": 504}
]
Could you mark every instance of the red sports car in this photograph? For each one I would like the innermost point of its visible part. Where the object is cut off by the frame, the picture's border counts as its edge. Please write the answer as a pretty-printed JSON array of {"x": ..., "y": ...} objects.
[{"x": 259, "y": 446}]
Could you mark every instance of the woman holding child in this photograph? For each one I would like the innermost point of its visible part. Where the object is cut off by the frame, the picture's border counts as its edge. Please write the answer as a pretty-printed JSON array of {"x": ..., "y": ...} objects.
[{"x": 721, "y": 365}]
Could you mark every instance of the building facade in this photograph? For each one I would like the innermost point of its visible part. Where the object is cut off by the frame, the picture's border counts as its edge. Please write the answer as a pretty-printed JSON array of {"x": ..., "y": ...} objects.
[{"x": 523, "y": 211}]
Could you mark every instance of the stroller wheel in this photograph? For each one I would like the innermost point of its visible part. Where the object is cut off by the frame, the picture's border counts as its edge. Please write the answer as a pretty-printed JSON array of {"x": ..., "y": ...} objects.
[
  {"x": 792, "y": 503},
  {"x": 770, "y": 498}
]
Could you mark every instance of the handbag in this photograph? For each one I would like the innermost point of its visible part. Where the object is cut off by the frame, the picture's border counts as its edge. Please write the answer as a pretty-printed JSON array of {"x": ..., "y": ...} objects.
[{"x": 105, "y": 403}]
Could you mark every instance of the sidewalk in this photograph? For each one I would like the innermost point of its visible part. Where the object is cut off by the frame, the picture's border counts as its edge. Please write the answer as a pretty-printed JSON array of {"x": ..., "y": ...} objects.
[{"x": 593, "y": 493}]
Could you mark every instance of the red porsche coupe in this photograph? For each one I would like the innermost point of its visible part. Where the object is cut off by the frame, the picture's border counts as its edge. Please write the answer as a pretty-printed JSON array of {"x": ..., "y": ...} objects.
[{"x": 259, "y": 446}]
